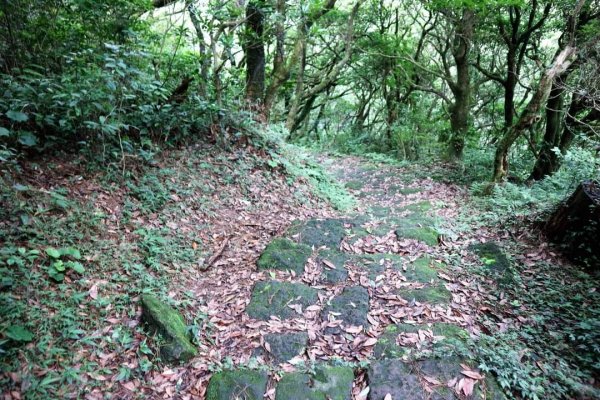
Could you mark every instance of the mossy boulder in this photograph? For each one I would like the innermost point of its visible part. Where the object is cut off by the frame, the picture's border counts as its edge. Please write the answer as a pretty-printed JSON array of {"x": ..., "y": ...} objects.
[
  {"x": 240, "y": 384},
  {"x": 351, "y": 306},
  {"x": 285, "y": 346},
  {"x": 169, "y": 324},
  {"x": 448, "y": 334},
  {"x": 429, "y": 294},
  {"x": 425, "y": 234},
  {"x": 283, "y": 254},
  {"x": 421, "y": 270},
  {"x": 275, "y": 298},
  {"x": 327, "y": 258},
  {"x": 495, "y": 261},
  {"x": 333, "y": 383},
  {"x": 395, "y": 378},
  {"x": 320, "y": 232}
]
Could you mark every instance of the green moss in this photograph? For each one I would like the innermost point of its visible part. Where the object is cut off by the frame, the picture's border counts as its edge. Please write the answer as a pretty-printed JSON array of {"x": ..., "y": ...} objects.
[
  {"x": 327, "y": 232},
  {"x": 285, "y": 346},
  {"x": 354, "y": 185},
  {"x": 334, "y": 383},
  {"x": 495, "y": 261},
  {"x": 430, "y": 294},
  {"x": 338, "y": 259},
  {"x": 273, "y": 298},
  {"x": 168, "y": 323},
  {"x": 426, "y": 234},
  {"x": 395, "y": 378},
  {"x": 283, "y": 254},
  {"x": 241, "y": 384},
  {"x": 422, "y": 206},
  {"x": 420, "y": 270}
]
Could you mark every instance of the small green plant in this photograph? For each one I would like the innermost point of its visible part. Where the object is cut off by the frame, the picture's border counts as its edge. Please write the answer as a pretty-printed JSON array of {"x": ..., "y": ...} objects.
[{"x": 62, "y": 260}]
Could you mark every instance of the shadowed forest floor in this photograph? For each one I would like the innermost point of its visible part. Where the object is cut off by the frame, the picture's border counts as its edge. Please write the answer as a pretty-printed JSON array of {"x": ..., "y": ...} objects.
[{"x": 411, "y": 292}]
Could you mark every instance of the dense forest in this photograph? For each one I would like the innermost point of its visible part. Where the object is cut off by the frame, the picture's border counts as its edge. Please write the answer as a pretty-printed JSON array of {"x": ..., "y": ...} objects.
[{"x": 313, "y": 199}]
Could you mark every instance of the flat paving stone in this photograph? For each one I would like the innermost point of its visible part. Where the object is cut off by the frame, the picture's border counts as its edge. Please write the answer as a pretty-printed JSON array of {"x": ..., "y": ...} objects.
[
  {"x": 238, "y": 384},
  {"x": 283, "y": 254},
  {"x": 351, "y": 306},
  {"x": 421, "y": 270},
  {"x": 333, "y": 383},
  {"x": 285, "y": 346},
  {"x": 395, "y": 378},
  {"x": 446, "y": 334},
  {"x": 436, "y": 294},
  {"x": 495, "y": 261},
  {"x": 329, "y": 258},
  {"x": 321, "y": 232},
  {"x": 274, "y": 298},
  {"x": 376, "y": 263}
]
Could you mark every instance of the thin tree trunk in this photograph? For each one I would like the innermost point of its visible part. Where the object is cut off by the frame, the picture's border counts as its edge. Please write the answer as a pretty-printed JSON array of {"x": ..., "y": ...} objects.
[
  {"x": 255, "y": 52},
  {"x": 532, "y": 112}
]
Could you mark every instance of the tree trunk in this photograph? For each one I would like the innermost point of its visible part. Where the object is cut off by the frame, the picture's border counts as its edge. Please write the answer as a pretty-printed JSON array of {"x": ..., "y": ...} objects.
[
  {"x": 531, "y": 114},
  {"x": 575, "y": 225},
  {"x": 255, "y": 52},
  {"x": 459, "y": 112}
]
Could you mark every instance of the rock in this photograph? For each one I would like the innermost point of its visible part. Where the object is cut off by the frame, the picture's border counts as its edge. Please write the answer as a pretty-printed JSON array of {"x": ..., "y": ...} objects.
[
  {"x": 275, "y": 298},
  {"x": 167, "y": 322},
  {"x": 421, "y": 271},
  {"x": 340, "y": 273},
  {"x": 321, "y": 232},
  {"x": 285, "y": 346},
  {"x": 416, "y": 230},
  {"x": 495, "y": 261},
  {"x": 352, "y": 305},
  {"x": 421, "y": 207},
  {"x": 283, "y": 254},
  {"x": 354, "y": 185},
  {"x": 376, "y": 263},
  {"x": 395, "y": 378},
  {"x": 387, "y": 348},
  {"x": 240, "y": 384},
  {"x": 333, "y": 383},
  {"x": 430, "y": 294}
]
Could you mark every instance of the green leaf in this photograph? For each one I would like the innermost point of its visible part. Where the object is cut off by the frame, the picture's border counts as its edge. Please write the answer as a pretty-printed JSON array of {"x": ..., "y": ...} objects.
[
  {"x": 71, "y": 251},
  {"x": 59, "y": 266},
  {"x": 4, "y": 132},
  {"x": 17, "y": 116},
  {"x": 20, "y": 188},
  {"x": 52, "y": 252},
  {"x": 19, "y": 333},
  {"x": 76, "y": 266},
  {"x": 27, "y": 139},
  {"x": 57, "y": 276}
]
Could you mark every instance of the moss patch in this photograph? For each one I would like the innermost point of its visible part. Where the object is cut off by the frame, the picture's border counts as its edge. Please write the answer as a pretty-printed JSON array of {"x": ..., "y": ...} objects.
[
  {"x": 274, "y": 298},
  {"x": 422, "y": 206},
  {"x": 285, "y": 346},
  {"x": 283, "y": 254},
  {"x": 352, "y": 305},
  {"x": 429, "y": 294},
  {"x": 354, "y": 185},
  {"x": 320, "y": 232},
  {"x": 376, "y": 263},
  {"x": 240, "y": 384},
  {"x": 338, "y": 260},
  {"x": 167, "y": 322},
  {"x": 395, "y": 378},
  {"x": 495, "y": 261},
  {"x": 334, "y": 383},
  {"x": 421, "y": 270},
  {"x": 425, "y": 234}
]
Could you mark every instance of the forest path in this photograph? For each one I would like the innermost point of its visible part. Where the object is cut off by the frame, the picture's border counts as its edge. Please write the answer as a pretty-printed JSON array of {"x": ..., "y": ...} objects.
[{"x": 369, "y": 286}]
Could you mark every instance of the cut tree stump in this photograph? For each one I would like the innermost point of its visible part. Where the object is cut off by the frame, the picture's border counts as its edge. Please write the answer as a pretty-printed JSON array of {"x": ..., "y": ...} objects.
[{"x": 575, "y": 225}]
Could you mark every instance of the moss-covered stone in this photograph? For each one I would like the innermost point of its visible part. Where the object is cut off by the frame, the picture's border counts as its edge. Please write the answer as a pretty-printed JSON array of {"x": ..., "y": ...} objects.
[
  {"x": 334, "y": 383},
  {"x": 395, "y": 378},
  {"x": 352, "y": 305},
  {"x": 495, "y": 261},
  {"x": 338, "y": 260},
  {"x": 285, "y": 346},
  {"x": 283, "y": 254},
  {"x": 376, "y": 263},
  {"x": 167, "y": 322},
  {"x": 320, "y": 232},
  {"x": 354, "y": 185},
  {"x": 421, "y": 270},
  {"x": 425, "y": 234},
  {"x": 386, "y": 346},
  {"x": 274, "y": 298},
  {"x": 421, "y": 206},
  {"x": 428, "y": 294},
  {"x": 240, "y": 384}
]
